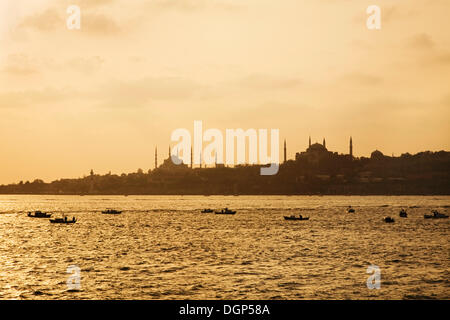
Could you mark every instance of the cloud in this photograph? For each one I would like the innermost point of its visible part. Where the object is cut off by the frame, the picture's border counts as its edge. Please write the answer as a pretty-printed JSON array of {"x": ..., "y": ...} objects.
[
  {"x": 394, "y": 13},
  {"x": 20, "y": 65},
  {"x": 436, "y": 60},
  {"x": 430, "y": 54},
  {"x": 442, "y": 58},
  {"x": 99, "y": 24},
  {"x": 45, "y": 21},
  {"x": 421, "y": 41}
]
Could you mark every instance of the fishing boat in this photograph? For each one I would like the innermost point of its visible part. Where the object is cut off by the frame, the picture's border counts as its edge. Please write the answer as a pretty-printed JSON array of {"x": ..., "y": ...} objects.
[
  {"x": 39, "y": 214},
  {"x": 111, "y": 211},
  {"x": 226, "y": 211},
  {"x": 388, "y": 220},
  {"x": 296, "y": 218},
  {"x": 435, "y": 215},
  {"x": 403, "y": 213},
  {"x": 207, "y": 211},
  {"x": 350, "y": 209},
  {"x": 63, "y": 220}
]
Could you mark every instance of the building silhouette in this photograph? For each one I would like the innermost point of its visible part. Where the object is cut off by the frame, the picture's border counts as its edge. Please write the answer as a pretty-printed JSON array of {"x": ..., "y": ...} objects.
[{"x": 316, "y": 152}]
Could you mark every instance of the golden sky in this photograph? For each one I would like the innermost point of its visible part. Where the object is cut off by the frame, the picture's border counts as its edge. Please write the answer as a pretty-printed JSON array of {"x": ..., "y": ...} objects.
[{"x": 102, "y": 97}]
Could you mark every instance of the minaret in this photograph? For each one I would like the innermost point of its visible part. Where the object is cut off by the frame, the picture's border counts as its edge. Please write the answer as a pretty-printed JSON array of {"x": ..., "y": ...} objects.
[
  {"x": 169, "y": 153},
  {"x": 192, "y": 162},
  {"x": 351, "y": 148},
  {"x": 310, "y": 141},
  {"x": 91, "y": 184},
  {"x": 156, "y": 157},
  {"x": 200, "y": 160},
  {"x": 324, "y": 145},
  {"x": 285, "y": 151}
]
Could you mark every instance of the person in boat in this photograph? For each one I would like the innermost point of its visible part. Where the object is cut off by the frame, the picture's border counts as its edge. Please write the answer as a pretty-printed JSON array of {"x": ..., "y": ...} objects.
[
  {"x": 301, "y": 217},
  {"x": 65, "y": 219}
]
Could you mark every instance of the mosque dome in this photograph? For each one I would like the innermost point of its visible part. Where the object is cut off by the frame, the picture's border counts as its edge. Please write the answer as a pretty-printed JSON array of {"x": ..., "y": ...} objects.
[
  {"x": 377, "y": 155},
  {"x": 317, "y": 147}
]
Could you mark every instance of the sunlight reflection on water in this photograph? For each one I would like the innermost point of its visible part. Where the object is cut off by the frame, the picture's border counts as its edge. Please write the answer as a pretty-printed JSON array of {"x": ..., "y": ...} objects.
[{"x": 162, "y": 247}]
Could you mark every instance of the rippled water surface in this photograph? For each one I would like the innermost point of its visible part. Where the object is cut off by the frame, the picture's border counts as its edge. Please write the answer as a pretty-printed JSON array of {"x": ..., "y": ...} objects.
[{"x": 162, "y": 247}]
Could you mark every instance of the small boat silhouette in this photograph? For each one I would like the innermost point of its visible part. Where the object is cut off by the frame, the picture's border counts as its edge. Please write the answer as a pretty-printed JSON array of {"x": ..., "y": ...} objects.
[
  {"x": 226, "y": 211},
  {"x": 388, "y": 220},
  {"x": 63, "y": 220},
  {"x": 435, "y": 215},
  {"x": 39, "y": 214},
  {"x": 350, "y": 209},
  {"x": 111, "y": 211},
  {"x": 403, "y": 213},
  {"x": 207, "y": 211},
  {"x": 296, "y": 218}
]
